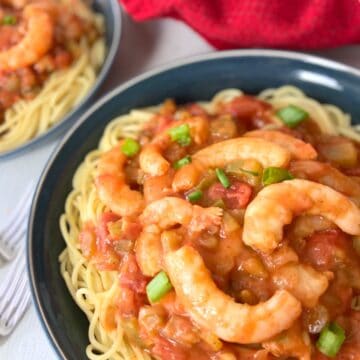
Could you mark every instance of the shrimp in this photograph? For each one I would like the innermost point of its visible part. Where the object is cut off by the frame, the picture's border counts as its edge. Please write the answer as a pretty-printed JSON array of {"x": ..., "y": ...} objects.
[
  {"x": 170, "y": 211},
  {"x": 298, "y": 148},
  {"x": 221, "y": 153},
  {"x": 111, "y": 184},
  {"x": 327, "y": 175},
  {"x": 294, "y": 342},
  {"x": 277, "y": 204},
  {"x": 219, "y": 313},
  {"x": 37, "y": 41},
  {"x": 152, "y": 161},
  {"x": 164, "y": 214},
  {"x": 305, "y": 283}
]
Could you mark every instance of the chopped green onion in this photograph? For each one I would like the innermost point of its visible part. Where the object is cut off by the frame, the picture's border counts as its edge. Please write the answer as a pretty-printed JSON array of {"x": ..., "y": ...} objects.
[
  {"x": 272, "y": 175},
  {"x": 158, "y": 287},
  {"x": 355, "y": 303},
  {"x": 182, "y": 162},
  {"x": 330, "y": 340},
  {"x": 9, "y": 20},
  {"x": 194, "y": 195},
  {"x": 292, "y": 115},
  {"x": 225, "y": 182},
  {"x": 130, "y": 147},
  {"x": 181, "y": 134}
]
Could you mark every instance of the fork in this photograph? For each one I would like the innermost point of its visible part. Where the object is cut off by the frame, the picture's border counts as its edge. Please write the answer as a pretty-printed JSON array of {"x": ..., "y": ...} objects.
[
  {"x": 14, "y": 295},
  {"x": 16, "y": 226}
]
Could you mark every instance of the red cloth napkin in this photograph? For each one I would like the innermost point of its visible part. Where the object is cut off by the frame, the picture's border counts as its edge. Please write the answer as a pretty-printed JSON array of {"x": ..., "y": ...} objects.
[{"x": 292, "y": 24}]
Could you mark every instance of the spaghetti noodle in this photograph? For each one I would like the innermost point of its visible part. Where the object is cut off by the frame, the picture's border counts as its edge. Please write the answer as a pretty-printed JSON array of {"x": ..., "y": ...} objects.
[{"x": 95, "y": 290}]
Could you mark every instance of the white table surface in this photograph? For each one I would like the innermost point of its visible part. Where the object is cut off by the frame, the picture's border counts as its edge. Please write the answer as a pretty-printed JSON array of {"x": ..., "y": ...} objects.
[{"x": 143, "y": 47}]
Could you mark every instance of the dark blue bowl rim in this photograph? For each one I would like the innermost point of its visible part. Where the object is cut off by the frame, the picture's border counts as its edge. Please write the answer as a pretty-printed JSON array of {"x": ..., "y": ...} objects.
[
  {"x": 309, "y": 59},
  {"x": 64, "y": 123}
]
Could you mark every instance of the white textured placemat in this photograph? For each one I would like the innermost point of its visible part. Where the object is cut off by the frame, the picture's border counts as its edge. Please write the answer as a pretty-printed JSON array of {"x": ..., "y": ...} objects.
[{"x": 143, "y": 46}]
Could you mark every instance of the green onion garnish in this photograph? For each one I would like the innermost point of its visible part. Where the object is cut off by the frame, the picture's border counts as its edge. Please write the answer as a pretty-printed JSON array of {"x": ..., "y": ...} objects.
[
  {"x": 194, "y": 195},
  {"x": 292, "y": 115},
  {"x": 182, "y": 162},
  {"x": 9, "y": 20},
  {"x": 272, "y": 175},
  {"x": 225, "y": 182},
  {"x": 158, "y": 287},
  {"x": 130, "y": 147},
  {"x": 330, "y": 340},
  {"x": 181, "y": 134}
]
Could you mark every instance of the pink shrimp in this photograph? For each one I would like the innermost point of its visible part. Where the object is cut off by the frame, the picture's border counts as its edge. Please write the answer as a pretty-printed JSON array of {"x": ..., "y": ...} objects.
[
  {"x": 152, "y": 161},
  {"x": 111, "y": 185},
  {"x": 164, "y": 214},
  {"x": 224, "y": 152},
  {"x": 277, "y": 204},
  {"x": 219, "y": 313},
  {"x": 327, "y": 175},
  {"x": 37, "y": 41},
  {"x": 298, "y": 148}
]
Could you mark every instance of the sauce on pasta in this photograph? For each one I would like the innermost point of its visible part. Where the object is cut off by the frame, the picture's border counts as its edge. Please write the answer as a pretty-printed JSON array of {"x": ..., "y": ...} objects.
[{"x": 219, "y": 230}]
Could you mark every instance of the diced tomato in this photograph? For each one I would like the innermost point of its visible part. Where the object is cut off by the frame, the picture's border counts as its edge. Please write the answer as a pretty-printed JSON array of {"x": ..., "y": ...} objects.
[
  {"x": 247, "y": 109},
  {"x": 102, "y": 231},
  {"x": 130, "y": 275},
  {"x": 129, "y": 302},
  {"x": 238, "y": 195},
  {"x": 87, "y": 240},
  {"x": 325, "y": 249},
  {"x": 216, "y": 192}
]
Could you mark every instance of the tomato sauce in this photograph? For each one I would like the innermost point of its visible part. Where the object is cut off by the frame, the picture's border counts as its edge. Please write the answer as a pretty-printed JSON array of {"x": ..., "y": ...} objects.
[{"x": 248, "y": 276}]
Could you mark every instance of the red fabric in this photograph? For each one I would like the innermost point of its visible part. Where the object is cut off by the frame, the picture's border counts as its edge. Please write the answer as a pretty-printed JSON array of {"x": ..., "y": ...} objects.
[{"x": 293, "y": 24}]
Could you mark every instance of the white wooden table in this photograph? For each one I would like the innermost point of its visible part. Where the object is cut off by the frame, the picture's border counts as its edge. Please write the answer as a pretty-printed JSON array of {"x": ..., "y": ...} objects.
[{"x": 143, "y": 47}]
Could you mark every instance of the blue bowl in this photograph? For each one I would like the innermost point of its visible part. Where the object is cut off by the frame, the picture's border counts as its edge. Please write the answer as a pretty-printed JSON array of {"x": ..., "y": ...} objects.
[
  {"x": 194, "y": 79},
  {"x": 111, "y": 12}
]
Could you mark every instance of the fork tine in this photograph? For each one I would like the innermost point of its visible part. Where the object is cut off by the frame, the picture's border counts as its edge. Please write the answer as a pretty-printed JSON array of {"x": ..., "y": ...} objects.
[
  {"x": 14, "y": 239},
  {"x": 12, "y": 314},
  {"x": 11, "y": 281},
  {"x": 14, "y": 214},
  {"x": 15, "y": 299},
  {"x": 8, "y": 248},
  {"x": 18, "y": 220}
]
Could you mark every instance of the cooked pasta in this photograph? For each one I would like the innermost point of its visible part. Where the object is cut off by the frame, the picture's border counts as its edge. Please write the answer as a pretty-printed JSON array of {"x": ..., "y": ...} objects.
[
  {"x": 59, "y": 79},
  {"x": 93, "y": 262}
]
